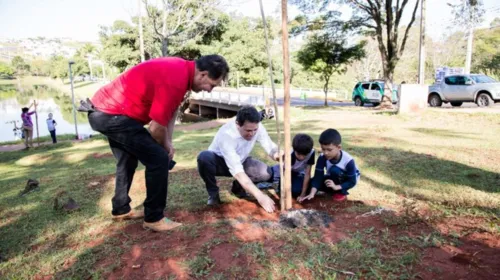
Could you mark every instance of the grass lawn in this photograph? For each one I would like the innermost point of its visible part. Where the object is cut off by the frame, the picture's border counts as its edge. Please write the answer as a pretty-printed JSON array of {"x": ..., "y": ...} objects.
[{"x": 438, "y": 173}]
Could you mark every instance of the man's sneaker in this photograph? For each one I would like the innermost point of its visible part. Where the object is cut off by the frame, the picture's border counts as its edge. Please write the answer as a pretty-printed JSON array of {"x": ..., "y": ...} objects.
[
  {"x": 132, "y": 215},
  {"x": 214, "y": 200},
  {"x": 339, "y": 197},
  {"x": 162, "y": 225},
  {"x": 238, "y": 191}
]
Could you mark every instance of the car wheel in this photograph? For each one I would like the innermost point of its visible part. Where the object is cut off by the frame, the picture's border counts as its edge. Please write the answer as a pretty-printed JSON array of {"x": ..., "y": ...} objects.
[
  {"x": 435, "y": 101},
  {"x": 484, "y": 100},
  {"x": 376, "y": 104},
  {"x": 358, "y": 102},
  {"x": 456, "y": 104}
]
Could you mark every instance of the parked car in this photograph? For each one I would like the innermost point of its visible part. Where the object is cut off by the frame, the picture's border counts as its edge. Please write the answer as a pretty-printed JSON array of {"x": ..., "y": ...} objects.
[
  {"x": 457, "y": 89},
  {"x": 371, "y": 92}
]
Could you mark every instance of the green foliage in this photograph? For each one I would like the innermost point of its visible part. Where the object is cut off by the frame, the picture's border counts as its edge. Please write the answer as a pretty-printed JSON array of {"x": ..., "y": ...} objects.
[
  {"x": 486, "y": 55},
  {"x": 59, "y": 68},
  {"x": 327, "y": 55},
  {"x": 6, "y": 72},
  {"x": 20, "y": 65},
  {"x": 120, "y": 46}
]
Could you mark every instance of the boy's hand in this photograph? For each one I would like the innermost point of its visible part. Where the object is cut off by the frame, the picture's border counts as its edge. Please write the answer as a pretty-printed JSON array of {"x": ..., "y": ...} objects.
[
  {"x": 300, "y": 199},
  {"x": 331, "y": 184}
]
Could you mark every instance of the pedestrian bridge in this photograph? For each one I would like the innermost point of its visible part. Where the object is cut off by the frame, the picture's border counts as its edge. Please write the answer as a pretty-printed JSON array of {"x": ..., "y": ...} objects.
[{"x": 223, "y": 103}]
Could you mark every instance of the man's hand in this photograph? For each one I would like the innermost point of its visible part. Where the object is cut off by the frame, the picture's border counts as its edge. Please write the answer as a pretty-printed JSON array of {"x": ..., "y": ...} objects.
[
  {"x": 301, "y": 199},
  {"x": 331, "y": 184},
  {"x": 266, "y": 202},
  {"x": 170, "y": 149}
]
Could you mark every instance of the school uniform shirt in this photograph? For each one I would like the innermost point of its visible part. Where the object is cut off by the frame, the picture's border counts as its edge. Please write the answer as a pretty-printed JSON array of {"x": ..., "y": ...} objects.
[
  {"x": 300, "y": 166},
  {"x": 342, "y": 172},
  {"x": 229, "y": 144}
]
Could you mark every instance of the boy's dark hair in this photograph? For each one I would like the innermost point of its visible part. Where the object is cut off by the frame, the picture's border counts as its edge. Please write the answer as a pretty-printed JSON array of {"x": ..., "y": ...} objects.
[
  {"x": 330, "y": 136},
  {"x": 216, "y": 66},
  {"x": 247, "y": 114},
  {"x": 25, "y": 109},
  {"x": 302, "y": 144}
]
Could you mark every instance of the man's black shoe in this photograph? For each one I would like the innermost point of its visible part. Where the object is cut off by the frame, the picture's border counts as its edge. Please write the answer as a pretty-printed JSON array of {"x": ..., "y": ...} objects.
[{"x": 214, "y": 200}]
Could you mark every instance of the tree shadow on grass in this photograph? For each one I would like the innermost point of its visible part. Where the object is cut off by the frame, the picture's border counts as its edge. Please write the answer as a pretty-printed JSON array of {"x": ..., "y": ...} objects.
[{"x": 409, "y": 170}]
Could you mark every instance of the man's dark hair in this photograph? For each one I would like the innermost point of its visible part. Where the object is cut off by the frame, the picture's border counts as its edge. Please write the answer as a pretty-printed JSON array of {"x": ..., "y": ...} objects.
[
  {"x": 330, "y": 136},
  {"x": 216, "y": 66},
  {"x": 247, "y": 114},
  {"x": 25, "y": 109},
  {"x": 302, "y": 144}
]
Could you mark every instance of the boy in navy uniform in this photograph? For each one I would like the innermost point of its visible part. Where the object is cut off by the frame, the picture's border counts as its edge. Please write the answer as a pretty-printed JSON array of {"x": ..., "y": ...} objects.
[{"x": 336, "y": 171}]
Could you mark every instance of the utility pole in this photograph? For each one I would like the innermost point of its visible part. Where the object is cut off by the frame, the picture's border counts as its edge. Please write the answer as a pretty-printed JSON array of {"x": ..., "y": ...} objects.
[
  {"x": 73, "y": 97},
  {"x": 141, "y": 39},
  {"x": 421, "y": 62},
  {"x": 468, "y": 56}
]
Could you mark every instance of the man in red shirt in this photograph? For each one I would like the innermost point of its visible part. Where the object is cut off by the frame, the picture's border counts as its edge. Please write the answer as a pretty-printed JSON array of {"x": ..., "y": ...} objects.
[{"x": 150, "y": 92}]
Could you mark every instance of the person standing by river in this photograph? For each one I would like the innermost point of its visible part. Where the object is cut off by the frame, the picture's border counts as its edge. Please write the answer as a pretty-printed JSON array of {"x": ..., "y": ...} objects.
[{"x": 28, "y": 126}]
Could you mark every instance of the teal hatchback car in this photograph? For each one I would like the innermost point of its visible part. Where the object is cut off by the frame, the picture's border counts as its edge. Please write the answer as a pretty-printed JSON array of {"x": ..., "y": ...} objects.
[{"x": 371, "y": 93}]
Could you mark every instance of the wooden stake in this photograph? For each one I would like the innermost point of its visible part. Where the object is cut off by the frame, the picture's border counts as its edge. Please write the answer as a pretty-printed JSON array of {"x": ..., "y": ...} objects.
[
  {"x": 276, "y": 114},
  {"x": 286, "y": 105},
  {"x": 36, "y": 121}
]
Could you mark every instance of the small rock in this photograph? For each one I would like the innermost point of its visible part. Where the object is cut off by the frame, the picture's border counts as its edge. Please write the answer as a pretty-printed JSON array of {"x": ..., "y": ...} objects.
[
  {"x": 93, "y": 184},
  {"x": 136, "y": 266},
  {"x": 63, "y": 201}
]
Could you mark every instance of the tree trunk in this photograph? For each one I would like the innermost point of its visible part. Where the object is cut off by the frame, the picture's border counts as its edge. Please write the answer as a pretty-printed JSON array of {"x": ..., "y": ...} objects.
[
  {"x": 164, "y": 46},
  {"x": 325, "y": 89}
]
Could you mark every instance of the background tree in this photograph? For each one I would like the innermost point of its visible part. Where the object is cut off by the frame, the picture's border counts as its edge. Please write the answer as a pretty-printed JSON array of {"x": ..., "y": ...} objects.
[
  {"x": 6, "y": 72},
  {"x": 379, "y": 18},
  {"x": 179, "y": 20},
  {"x": 468, "y": 15},
  {"x": 20, "y": 66},
  {"x": 327, "y": 55},
  {"x": 120, "y": 45}
]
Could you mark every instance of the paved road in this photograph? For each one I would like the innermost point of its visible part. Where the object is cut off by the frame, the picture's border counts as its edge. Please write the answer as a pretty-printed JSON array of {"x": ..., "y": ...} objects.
[{"x": 465, "y": 108}]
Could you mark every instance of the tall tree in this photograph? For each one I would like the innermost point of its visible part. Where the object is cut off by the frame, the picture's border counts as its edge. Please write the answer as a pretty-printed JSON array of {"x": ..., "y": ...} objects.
[
  {"x": 327, "y": 55},
  {"x": 179, "y": 20},
  {"x": 381, "y": 19},
  {"x": 120, "y": 46},
  {"x": 468, "y": 15},
  {"x": 20, "y": 66}
]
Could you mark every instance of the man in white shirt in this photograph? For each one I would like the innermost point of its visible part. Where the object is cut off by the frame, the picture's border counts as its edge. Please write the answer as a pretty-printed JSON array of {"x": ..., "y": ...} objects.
[{"x": 228, "y": 156}]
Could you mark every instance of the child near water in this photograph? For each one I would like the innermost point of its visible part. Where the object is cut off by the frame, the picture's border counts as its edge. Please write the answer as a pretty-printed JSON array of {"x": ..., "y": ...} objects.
[
  {"x": 335, "y": 171},
  {"x": 51, "y": 125}
]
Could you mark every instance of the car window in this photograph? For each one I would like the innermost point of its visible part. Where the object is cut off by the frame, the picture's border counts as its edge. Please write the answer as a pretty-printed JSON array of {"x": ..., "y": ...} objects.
[
  {"x": 480, "y": 79},
  {"x": 366, "y": 86},
  {"x": 451, "y": 80},
  {"x": 375, "y": 86},
  {"x": 461, "y": 80},
  {"x": 356, "y": 86}
]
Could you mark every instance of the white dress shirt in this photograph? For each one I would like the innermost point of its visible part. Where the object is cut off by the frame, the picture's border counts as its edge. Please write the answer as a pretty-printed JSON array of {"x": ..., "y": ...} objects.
[{"x": 229, "y": 144}]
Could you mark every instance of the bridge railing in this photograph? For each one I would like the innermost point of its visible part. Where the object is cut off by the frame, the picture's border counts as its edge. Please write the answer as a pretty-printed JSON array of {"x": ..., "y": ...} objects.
[{"x": 230, "y": 98}]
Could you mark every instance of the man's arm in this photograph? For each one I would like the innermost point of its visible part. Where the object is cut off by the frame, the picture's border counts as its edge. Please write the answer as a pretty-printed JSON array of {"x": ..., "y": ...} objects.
[
  {"x": 265, "y": 141},
  {"x": 265, "y": 201},
  {"x": 160, "y": 134},
  {"x": 233, "y": 162}
]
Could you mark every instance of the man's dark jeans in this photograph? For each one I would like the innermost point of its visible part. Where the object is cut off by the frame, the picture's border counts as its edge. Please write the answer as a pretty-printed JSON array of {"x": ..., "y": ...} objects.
[{"x": 130, "y": 142}]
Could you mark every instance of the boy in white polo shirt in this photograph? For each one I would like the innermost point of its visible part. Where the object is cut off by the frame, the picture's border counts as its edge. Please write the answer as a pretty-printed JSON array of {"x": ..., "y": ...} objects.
[
  {"x": 51, "y": 125},
  {"x": 228, "y": 156}
]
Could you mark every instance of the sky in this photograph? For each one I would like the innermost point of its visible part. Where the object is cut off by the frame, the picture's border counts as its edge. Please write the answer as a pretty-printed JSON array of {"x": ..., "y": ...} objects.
[{"x": 80, "y": 20}]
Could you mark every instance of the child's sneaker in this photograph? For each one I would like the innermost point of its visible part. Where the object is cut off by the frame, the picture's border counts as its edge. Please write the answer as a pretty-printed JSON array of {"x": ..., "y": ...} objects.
[{"x": 339, "y": 197}]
